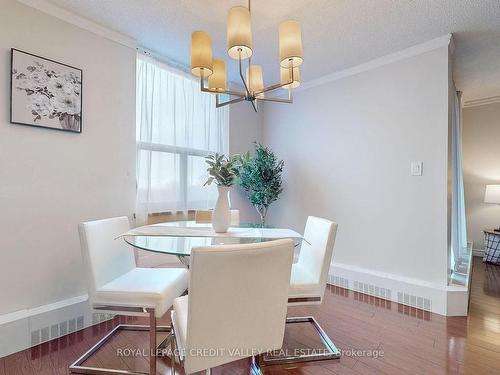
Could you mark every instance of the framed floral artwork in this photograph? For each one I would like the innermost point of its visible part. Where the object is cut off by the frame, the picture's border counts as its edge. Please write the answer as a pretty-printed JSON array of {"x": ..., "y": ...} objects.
[{"x": 45, "y": 93}]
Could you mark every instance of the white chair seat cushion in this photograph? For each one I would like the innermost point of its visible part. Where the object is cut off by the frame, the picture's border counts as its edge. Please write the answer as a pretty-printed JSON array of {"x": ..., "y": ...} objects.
[
  {"x": 145, "y": 287},
  {"x": 181, "y": 319},
  {"x": 302, "y": 283}
]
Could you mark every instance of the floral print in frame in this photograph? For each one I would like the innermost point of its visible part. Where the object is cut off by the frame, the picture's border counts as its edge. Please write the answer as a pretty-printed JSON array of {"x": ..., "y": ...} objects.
[{"x": 45, "y": 93}]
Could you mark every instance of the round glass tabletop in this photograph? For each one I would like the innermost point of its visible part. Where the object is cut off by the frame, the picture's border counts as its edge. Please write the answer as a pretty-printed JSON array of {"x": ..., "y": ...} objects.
[{"x": 181, "y": 246}]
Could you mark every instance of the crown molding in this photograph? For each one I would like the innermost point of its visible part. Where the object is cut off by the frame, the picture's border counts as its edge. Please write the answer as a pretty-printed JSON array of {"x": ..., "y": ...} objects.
[
  {"x": 79, "y": 21},
  {"x": 418, "y": 49},
  {"x": 482, "y": 101},
  {"x": 175, "y": 65}
]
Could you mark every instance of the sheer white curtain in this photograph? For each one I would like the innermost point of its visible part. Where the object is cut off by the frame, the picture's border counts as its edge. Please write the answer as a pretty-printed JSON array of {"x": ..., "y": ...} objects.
[
  {"x": 177, "y": 126},
  {"x": 458, "y": 220}
]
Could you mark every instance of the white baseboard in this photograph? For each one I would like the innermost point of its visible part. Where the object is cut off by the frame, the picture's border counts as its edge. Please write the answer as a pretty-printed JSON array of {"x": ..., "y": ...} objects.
[
  {"x": 448, "y": 300},
  {"x": 478, "y": 252},
  {"x": 26, "y": 328}
]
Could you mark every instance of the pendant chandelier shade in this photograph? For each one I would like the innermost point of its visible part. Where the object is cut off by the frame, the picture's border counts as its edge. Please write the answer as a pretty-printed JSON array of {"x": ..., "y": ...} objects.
[
  {"x": 240, "y": 47},
  {"x": 291, "y": 53},
  {"x": 201, "y": 54},
  {"x": 255, "y": 79},
  {"x": 217, "y": 81},
  {"x": 239, "y": 33}
]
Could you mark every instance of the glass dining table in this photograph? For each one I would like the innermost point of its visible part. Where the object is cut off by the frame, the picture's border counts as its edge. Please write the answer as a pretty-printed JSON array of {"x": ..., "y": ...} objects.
[{"x": 179, "y": 237}]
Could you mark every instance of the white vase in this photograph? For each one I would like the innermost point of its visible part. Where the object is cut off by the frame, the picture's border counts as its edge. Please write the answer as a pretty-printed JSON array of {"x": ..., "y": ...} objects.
[{"x": 221, "y": 217}]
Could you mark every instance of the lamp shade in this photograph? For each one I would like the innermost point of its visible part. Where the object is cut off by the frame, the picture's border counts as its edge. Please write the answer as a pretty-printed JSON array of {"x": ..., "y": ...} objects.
[
  {"x": 286, "y": 76},
  {"x": 217, "y": 81},
  {"x": 255, "y": 79},
  {"x": 201, "y": 54},
  {"x": 290, "y": 38},
  {"x": 239, "y": 33},
  {"x": 492, "y": 194}
]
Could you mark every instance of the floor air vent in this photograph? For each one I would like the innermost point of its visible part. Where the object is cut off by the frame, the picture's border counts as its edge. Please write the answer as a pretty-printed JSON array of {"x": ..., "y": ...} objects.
[
  {"x": 55, "y": 331},
  {"x": 338, "y": 281},
  {"x": 372, "y": 290},
  {"x": 414, "y": 301}
]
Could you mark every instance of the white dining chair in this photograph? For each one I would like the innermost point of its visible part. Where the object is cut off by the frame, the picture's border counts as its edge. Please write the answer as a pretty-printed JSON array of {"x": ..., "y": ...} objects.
[
  {"x": 205, "y": 216},
  {"x": 117, "y": 286},
  {"x": 308, "y": 284},
  {"x": 310, "y": 273},
  {"x": 237, "y": 303}
]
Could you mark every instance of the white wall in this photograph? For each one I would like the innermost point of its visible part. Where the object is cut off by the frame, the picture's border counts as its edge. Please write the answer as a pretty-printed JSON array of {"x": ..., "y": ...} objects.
[
  {"x": 347, "y": 147},
  {"x": 245, "y": 128},
  {"x": 52, "y": 180},
  {"x": 481, "y": 163}
]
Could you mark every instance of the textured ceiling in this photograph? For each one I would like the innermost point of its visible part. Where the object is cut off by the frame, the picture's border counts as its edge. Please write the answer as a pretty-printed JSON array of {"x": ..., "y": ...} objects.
[{"x": 337, "y": 34}]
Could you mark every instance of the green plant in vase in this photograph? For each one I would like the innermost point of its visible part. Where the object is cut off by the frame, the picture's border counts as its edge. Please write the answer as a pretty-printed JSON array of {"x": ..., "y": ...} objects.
[
  {"x": 222, "y": 170},
  {"x": 260, "y": 177}
]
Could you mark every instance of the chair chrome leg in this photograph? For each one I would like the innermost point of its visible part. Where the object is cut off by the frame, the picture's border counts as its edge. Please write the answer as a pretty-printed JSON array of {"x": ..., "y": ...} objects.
[
  {"x": 162, "y": 346},
  {"x": 330, "y": 351},
  {"x": 152, "y": 342},
  {"x": 78, "y": 366},
  {"x": 172, "y": 354},
  {"x": 255, "y": 367}
]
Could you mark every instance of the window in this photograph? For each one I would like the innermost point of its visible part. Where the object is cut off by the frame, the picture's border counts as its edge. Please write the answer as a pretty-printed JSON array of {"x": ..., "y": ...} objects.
[{"x": 177, "y": 126}]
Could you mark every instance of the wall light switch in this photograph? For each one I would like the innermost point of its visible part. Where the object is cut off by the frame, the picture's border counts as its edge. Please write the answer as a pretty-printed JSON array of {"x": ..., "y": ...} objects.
[{"x": 417, "y": 168}]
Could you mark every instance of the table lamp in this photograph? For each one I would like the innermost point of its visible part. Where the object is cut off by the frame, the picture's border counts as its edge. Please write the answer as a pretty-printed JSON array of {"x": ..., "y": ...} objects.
[{"x": 492, "y": 195}]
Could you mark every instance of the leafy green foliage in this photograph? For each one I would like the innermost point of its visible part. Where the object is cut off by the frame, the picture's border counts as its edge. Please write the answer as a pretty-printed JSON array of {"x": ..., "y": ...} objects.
[
  {"x": 260, "y": 177},
  {"x": 222, "y": 170}
]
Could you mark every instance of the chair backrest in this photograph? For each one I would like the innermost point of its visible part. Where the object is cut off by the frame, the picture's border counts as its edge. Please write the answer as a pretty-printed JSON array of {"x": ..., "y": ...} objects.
[
  {"x": 316, "y": 254},
  {"x": 104, "y": 257},
  {"x": 205, "y": 216},
  {"x": 237, "y": 301}
]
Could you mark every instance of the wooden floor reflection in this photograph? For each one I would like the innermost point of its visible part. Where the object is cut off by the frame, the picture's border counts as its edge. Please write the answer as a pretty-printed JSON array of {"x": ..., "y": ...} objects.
[{"x": 412, "y": 341}]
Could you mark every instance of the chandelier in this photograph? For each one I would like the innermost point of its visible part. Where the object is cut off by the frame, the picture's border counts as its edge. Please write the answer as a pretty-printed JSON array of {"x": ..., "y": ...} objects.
[{"x": 239, "y": 47}]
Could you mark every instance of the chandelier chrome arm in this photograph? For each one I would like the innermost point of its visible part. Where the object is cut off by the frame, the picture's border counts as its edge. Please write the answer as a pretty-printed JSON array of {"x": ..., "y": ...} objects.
[
  {"x": 278, "y": 85},
  {"x": 219, "y": 104},
  {"x": 279, "y": 100},
  {"x": 252, "y": 102},
  {"x": 248, "y": 95},
  {"x": 241, "y": 73},
  {"x": 228, "y": 92}
]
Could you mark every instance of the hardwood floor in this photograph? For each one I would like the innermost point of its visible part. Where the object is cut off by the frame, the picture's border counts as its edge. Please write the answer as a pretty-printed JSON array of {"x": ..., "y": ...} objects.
[{"x": 412, "y": 341}]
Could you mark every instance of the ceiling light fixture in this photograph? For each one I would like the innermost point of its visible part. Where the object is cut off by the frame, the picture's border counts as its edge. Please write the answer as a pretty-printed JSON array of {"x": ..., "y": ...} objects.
[{"x": 239, "y": 47}]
